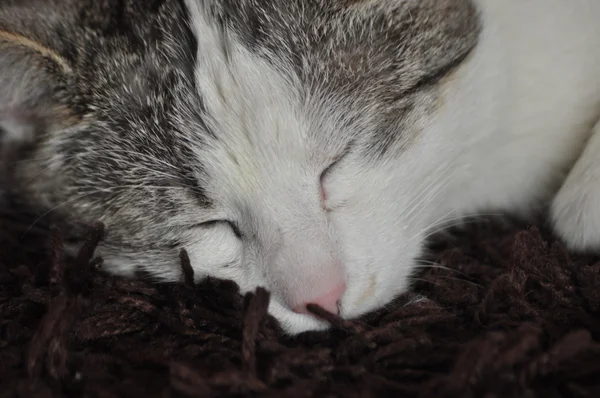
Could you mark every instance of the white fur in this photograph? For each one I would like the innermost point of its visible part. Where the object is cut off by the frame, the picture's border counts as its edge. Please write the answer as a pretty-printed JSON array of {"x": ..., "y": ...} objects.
[
  {"x": 575, "y": 211},
  {"x": 513, "y": 118}
]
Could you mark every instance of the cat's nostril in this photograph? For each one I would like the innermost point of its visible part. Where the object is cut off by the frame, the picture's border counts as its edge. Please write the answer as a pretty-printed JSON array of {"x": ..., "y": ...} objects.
[{"x": 329, "y": 301}]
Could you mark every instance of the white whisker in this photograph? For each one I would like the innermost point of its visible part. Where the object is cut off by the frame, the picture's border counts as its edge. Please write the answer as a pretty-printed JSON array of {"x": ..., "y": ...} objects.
[
  {"x": 447, "y": 278},
  {"x": 105, "y": 190},
  {"x": 60, "y": 205}
]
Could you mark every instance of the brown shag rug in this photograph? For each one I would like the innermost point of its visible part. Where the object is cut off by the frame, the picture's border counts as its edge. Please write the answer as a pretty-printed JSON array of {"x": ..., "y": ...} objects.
[{"x": 509, "y": 314}]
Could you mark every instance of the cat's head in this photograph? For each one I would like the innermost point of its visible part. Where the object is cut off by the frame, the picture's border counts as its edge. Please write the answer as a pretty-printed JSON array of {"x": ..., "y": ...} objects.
[{"x": 278, "y": 142}]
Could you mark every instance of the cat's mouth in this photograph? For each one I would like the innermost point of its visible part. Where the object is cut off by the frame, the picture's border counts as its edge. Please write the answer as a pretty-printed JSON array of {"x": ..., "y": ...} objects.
[{"x": 353, "y": 308}]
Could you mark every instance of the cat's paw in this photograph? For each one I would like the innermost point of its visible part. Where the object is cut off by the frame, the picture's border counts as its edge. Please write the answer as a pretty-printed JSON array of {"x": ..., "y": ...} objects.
[
  {"x": 575, "y": 217},
  {"x": 575, "y": 210}
]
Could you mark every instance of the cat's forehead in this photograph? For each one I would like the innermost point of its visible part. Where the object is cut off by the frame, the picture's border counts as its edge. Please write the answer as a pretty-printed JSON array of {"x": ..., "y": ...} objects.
[
  {"x": 263, "y": 128},
  {"x": 365, "y": 63}
]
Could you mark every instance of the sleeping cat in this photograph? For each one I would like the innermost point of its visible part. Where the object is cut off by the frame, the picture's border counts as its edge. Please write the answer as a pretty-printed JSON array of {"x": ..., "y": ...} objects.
[{"x": 307, "y": 146}]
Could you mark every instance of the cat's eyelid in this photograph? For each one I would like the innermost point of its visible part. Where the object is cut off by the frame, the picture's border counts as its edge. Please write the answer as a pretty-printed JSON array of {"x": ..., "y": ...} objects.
[
  {"x": 210, "y": 223},
  {"x": 337, "y": 159},
  {"x": 330, "y": 167}
]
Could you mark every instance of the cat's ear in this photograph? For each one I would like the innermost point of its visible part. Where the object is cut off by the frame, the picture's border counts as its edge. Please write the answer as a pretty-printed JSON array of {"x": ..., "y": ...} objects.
[{"x": 32, "y": 81}]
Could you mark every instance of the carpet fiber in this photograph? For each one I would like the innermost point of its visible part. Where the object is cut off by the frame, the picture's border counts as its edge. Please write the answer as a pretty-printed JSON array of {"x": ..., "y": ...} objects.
[{"x": 508, "y": 313}]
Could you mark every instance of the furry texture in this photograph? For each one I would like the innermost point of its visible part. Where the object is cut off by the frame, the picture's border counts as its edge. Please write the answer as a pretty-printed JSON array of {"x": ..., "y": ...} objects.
[
  {"x": 508, "y": 314},
  {"x": 303, "y": 145}
]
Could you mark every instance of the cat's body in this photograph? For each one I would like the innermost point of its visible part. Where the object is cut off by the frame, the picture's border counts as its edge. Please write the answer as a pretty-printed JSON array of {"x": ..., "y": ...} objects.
[
  {"x": 308, "y": 146},
  {"x": 531, "y": 92}
]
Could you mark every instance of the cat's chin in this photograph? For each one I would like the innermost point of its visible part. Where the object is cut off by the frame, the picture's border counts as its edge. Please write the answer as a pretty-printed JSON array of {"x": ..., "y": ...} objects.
[{"x": 293, "y": 323}]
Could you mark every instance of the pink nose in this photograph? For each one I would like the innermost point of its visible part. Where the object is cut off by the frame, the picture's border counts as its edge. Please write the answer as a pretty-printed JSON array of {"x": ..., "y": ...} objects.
[{"x": 329, "y": 301}]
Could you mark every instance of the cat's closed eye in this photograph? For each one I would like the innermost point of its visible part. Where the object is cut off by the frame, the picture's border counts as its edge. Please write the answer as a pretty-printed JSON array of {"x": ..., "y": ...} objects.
[
  {"x": 212, "y": 223},
  {"x": 322, "y": 182}
]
